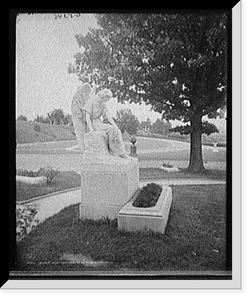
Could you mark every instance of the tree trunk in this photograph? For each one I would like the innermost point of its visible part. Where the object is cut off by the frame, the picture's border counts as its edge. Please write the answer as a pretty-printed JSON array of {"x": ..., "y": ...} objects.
[{"x": 196, "y": 160}]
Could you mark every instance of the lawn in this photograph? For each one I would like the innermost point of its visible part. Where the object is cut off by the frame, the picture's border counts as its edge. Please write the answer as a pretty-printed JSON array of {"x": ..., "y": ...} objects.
[
  {"x": 184, "y": 154},
  {"x": 194, "y": 239},
  {"x": 33, "y": 132},
  {"x": 155, "y": 173},
  {"x": 70, "y": 179},
  {"x": 65, "y": 180}
]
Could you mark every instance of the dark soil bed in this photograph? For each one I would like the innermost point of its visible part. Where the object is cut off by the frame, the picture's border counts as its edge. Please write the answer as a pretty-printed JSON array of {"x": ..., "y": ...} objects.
[{"x": 148, "y": 195}]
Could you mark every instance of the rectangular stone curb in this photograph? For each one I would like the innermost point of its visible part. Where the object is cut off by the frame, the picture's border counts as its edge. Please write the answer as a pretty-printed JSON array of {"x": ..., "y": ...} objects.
[
  {"x": 155, "y": 218},
  {"x": 48, "y": 195}
]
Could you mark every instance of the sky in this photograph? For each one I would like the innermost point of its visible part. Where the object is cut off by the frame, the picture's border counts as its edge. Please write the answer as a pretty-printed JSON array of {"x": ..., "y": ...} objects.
[{"x": 45, "y": 45}]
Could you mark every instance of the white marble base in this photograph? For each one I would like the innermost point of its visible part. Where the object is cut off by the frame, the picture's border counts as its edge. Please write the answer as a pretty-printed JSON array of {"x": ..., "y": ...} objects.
[
  {"x": 31, "y": 180},
  {"x": 106, "y": 185},
  {"x": 155, "y": 218},
  {"x": 170, "y": 170}
]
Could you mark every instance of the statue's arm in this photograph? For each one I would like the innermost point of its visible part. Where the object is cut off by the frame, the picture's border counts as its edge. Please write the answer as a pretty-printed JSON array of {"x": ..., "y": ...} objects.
[
  {"x": 109, "y": 118},
  {"x": 93, "y": 90},
  {"x": 87, "y": 108},
  {"x": 89, "y": 122}
]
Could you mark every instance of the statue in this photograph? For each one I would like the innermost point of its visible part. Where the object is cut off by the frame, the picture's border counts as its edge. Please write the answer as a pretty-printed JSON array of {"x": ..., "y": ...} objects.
[
  {"x": 109, "y": 176},
  {"x": 79, "y": 121},
  {"x": 93, "y": 134}
]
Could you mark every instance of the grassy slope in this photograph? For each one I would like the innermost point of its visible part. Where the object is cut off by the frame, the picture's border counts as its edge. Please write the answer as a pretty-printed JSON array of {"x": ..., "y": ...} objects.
[
  {"x": 219, "y": 138},
  {"x": 25, "y": 132},
  {"x": 194, "y": 238}
]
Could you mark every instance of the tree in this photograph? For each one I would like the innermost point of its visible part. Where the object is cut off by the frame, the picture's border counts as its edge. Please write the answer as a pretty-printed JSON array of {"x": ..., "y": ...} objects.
[
  {"x": 174, "y": 62},
  {"x": 146, "y": 125},
  {"x": 126, "y": 121},
  {"x": 47, "y": 119},
  {"x": 56, "y": 116},
  {"x": 161, "y": 127},
  {"x": 40, "y": 119},
  {"x": 67, "y": 120}
]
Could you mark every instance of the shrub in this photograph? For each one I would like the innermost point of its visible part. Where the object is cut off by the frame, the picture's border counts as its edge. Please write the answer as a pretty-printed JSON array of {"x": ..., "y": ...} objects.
[
  {"x": 49, "y": 172},
  {"x": 37, "y": 127},
  {"x": 22, "y": 172},
  {"x": 148, "y": 195},
  {"x": 167, "y": 165},
  {"x": 26, "y": 220}
]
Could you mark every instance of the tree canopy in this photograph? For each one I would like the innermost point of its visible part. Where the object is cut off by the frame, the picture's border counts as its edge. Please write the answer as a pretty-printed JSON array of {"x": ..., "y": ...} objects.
[
  {"x": 127, "y": 121},
  {"x": 176, "y": 63}
]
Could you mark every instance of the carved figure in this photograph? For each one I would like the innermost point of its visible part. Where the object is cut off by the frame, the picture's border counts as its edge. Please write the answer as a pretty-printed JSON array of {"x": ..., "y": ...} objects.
[
  {"x": 89, "y": 110},
  {"x": 79, "y": 117},
  {"x": 96, "y": 111}
]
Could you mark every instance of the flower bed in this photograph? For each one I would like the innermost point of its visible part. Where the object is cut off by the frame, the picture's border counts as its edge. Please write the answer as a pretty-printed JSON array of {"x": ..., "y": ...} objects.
[
  {"x": 131, "y": 218},
  {"x": 26, "y": 220},
  {"x": 43, "y": 175},
  {"x": 148, "y": 195},
  {"x": 64, "y": 181},
  {"x": 169, "y": 167}
]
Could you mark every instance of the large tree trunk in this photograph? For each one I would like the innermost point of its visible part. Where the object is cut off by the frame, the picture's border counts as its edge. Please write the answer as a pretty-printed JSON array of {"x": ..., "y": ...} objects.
[{"x": 196, "y": 160}]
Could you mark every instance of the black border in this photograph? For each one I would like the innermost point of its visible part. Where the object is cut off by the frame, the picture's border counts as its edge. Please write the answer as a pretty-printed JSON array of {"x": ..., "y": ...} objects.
[
  {"x": 13, "y": 13},
  {"x": 229, "y": 209}
]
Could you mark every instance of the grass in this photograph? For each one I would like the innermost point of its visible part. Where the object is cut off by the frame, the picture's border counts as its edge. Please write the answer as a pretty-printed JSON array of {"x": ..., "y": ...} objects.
[
  {"x": 65, "y": 180},
  {"x": 184, "y": 154},
  {"x": 31, "y": 132},
  {"x": 220, "y": 138},
  {"x": 194, "y": 239},
  {"x": 70, "y": 179},
  {"x": 155, "y": 173}
]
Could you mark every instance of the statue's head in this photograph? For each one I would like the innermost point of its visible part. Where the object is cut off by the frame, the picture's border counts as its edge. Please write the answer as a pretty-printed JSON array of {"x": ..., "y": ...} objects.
[
  {"x": 105, "y": 95},
  {"x": 86, "y": 88}
]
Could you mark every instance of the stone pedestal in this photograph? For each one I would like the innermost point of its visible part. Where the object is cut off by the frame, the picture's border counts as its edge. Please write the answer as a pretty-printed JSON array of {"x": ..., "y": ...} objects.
[
  {"x": 133, "y": 151},
  {"x": 107, "y": 183}
]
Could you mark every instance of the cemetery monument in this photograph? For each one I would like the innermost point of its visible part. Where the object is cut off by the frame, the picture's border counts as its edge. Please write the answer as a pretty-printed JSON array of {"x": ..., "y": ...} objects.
[{"x": 109, "y": 176}]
